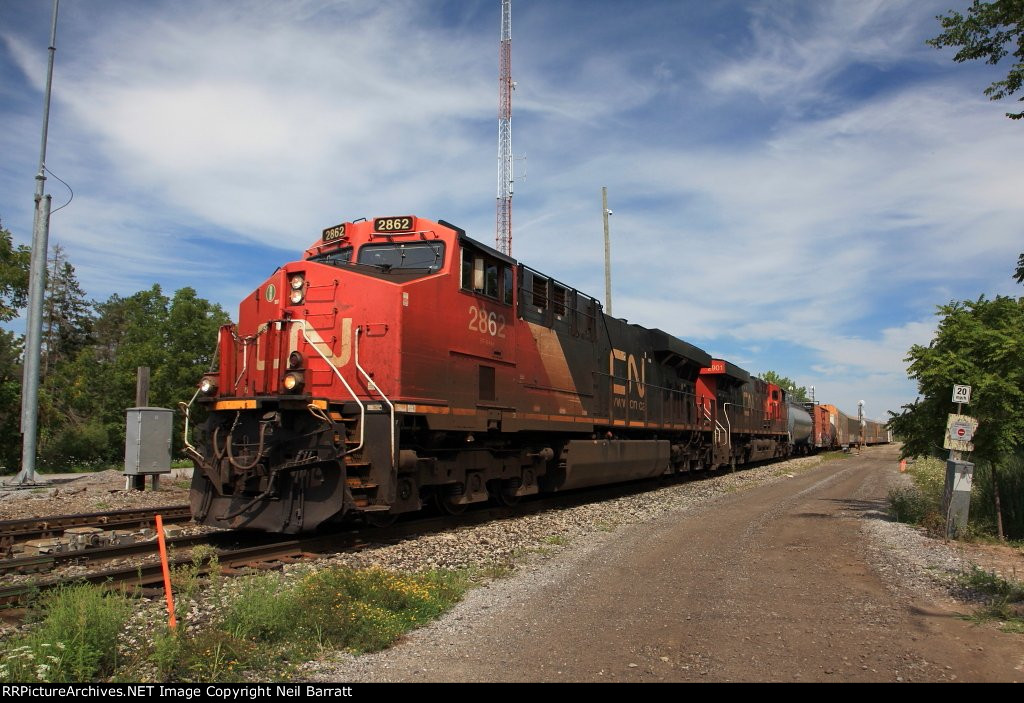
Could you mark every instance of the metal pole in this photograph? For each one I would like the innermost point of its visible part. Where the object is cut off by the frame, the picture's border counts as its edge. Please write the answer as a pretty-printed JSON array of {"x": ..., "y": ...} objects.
[
  {"x": 860, "y": 418},
  {"x": 37, "y": 282},
  {"x": 607, "y": 252}
]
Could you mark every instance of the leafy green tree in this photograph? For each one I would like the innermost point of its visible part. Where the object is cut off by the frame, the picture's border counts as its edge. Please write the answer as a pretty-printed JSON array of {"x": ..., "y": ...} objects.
[
  {"x": 979, "y": 343},
  {"x": 87, "y": 396},
  {"x": 67, "y": 314},
  {"x": 10, "y": 401},
  {"x": 988, "y": 31},
  {"x": 798, "y": 394},
  {"x": 14, "y": 265},
  {"x": 1019, "y": 273}
]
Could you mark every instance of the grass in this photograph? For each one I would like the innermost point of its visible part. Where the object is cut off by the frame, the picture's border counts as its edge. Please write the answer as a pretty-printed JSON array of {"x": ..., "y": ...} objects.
[
  {"x": 921, "y": 502},
  {"x": 261, "y": 627},
  {"x": 269, "y": 625},
  {"x": 1005, "y": 599},
  {"x": 75, "y": 638}
]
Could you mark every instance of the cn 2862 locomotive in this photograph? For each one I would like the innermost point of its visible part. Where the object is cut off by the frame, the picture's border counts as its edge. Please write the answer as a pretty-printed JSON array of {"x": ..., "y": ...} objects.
[{"x": 400, "y": 362}]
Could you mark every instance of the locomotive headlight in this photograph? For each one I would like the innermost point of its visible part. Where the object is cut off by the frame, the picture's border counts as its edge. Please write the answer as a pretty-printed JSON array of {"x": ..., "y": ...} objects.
[
  {"x": 297, "y": 283},
  {"x": 292, "y": 381},
  {"x": 208, "y": 386}
]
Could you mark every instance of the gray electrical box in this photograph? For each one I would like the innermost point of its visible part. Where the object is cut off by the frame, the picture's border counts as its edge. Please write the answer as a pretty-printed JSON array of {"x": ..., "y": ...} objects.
[
  {"x": 147, "y": 442},
  {"x": 959, "y": 477}
]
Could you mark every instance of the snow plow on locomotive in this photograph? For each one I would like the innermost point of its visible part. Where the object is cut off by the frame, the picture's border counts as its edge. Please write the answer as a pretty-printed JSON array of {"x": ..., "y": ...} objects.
[{"x": 400, "y": 362}]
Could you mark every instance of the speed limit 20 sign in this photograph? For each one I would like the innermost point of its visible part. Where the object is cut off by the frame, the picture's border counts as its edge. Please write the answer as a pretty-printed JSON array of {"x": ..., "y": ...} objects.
[{"x": 961, "y": 394}]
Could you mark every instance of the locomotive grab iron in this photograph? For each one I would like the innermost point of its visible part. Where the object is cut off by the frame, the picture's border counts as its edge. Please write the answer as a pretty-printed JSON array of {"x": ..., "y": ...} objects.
[{"x": 401, "y": 362}]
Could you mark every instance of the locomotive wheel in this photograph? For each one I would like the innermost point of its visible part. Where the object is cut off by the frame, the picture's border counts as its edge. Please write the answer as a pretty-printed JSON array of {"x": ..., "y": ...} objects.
[
  {"x": 445, "y": 499},
  {"x": 504, "y": 493},
  {"x": 506, "y": 498}
]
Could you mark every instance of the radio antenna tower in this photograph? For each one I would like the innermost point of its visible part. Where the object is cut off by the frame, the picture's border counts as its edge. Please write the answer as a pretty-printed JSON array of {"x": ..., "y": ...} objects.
[{"x": 503, "y": 236}]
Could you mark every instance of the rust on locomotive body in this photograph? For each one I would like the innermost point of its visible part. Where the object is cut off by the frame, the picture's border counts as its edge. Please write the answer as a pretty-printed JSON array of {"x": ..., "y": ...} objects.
[{"x": 400, "y": 362}]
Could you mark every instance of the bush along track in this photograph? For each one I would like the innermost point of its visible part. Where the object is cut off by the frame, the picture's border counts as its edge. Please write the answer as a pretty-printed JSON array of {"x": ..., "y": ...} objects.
[
  {"x": 258, "y": 626},
  {"x": 920, "y": 503}
]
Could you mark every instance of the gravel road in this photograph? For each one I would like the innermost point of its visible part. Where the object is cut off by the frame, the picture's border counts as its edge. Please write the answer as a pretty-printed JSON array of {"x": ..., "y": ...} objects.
[{"x": 797, "y": 579}]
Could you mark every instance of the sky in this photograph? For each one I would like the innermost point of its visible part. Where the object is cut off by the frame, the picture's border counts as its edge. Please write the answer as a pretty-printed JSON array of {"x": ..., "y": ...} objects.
[{"x": 795, "y": 185}]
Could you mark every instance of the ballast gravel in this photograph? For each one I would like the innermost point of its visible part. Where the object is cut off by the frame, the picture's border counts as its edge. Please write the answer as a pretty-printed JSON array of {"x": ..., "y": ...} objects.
[{"x": 528, "y": 552}]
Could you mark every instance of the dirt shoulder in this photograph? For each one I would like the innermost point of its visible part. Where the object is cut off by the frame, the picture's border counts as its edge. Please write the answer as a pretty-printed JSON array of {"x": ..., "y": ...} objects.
[{"x": 795, "y": 580}]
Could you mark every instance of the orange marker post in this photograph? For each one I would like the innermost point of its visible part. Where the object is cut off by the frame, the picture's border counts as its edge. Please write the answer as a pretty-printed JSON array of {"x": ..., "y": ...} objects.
[
  {"x": 903, "y": 466},
  {"x": 171, "y": 620}
]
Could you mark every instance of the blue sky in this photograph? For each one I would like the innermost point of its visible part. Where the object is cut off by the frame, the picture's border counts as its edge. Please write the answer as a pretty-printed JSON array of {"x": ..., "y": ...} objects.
[{"x": 796, "y": 185}]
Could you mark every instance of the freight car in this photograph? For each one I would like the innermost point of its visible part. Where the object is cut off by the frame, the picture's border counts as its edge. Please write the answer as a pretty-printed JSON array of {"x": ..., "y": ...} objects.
[{"x": 400, "y": 363}]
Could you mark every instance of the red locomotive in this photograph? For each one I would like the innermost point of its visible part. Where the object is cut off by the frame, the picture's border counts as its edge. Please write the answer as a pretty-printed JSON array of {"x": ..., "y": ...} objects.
[{"x": 401, "y": 362}]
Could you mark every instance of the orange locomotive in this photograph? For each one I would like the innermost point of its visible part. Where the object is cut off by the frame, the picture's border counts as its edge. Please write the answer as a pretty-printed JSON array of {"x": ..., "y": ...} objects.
[{"x": 401, "y": 362}]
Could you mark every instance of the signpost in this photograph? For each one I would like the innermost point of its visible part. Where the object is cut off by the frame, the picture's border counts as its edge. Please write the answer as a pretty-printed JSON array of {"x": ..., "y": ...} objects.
[{"x": 960, "y": 431}]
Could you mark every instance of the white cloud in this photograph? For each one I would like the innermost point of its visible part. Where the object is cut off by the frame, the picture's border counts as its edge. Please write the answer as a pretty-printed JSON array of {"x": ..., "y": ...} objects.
[{"x": 826, "y": 221}]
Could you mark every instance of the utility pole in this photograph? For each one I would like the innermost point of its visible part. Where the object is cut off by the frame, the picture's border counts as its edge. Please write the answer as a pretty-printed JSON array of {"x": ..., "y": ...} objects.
[
  {"x": 37, "y": 284},
  {"x": 860, "y": 417},
  {"x": 503, "y": 231},
  {"x": 605, "y": 212}
]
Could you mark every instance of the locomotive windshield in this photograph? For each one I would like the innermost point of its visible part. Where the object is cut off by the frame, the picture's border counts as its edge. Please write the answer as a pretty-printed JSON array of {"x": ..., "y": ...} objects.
[
  {"x": 415, "y": 255},
  {"x": 338, "y": 257}
]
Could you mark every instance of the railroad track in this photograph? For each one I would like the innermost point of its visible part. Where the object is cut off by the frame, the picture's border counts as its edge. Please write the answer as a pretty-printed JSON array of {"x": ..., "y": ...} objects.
[
  {"x": 279, "y": 550},
  {"x": 12, "y": 531}
]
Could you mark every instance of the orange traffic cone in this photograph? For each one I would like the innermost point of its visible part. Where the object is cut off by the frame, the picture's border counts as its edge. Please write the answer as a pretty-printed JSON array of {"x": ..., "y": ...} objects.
[{"x": 903, "y": 466}]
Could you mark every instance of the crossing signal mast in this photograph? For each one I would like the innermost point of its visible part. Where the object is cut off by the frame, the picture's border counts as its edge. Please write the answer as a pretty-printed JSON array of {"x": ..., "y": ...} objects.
[{"x": 503, "y": 236}]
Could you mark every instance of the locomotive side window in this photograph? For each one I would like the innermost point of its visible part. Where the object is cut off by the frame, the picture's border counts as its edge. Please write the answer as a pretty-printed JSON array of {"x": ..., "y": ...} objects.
[
  {"x": 508, "y": 283},
  {"x": 415, "y": 255},
  {"x": 484, "y": 275},
  {"x": 338, "y": 257}
]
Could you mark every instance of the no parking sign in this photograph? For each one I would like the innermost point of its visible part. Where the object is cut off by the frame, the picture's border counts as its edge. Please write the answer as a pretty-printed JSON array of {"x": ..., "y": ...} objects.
[{"x": 960, "y": 431}]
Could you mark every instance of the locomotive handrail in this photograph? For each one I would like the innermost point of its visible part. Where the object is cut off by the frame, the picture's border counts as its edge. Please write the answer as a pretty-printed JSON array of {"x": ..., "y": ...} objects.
[
  {"x": 372, "y": 385},
  {"x": 362, "y": 408},
  {"x": 728, "y": 433}
]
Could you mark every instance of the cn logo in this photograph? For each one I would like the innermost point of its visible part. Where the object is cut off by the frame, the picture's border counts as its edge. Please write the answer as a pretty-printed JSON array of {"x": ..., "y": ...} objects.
[
  {"x": 635, "y": 375},
  {"x": 300, "y": 328}
]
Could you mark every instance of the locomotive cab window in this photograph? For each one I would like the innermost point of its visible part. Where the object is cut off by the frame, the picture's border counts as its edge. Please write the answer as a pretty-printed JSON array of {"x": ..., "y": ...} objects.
[
  {"x": 338, "y": 257},
  {"x": 485, "y": 275},
  {"x": 414, "y": 255}
]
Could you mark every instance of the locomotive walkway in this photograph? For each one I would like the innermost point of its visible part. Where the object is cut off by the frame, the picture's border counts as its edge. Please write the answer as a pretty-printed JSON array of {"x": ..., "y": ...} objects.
[{"x": 775, "y": 583}]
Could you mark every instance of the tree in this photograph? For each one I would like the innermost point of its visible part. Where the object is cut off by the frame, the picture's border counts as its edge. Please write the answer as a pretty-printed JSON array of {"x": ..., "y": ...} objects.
[
  {"x": 1019, "y": 274},
  {"x": 981, "y": 344},
  {"x": 10, "y": 401},
  {"x": 798, "y": 394},
  {"x": 14, "y": 265},
  {"x": 67, "y": 315},
  {"x": 86, "y": 397},
  {"x": 988, "y": 32}
]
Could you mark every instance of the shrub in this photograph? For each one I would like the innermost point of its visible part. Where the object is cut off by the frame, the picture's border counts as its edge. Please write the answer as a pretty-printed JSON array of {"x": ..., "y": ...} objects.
[{"x": 76, "y": 640}]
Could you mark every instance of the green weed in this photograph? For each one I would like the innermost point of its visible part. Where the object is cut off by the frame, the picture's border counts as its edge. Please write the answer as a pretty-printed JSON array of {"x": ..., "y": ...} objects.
[
  {"x": 1005, "y": 598},
  {"x": 269, "y": 623},
  {"x": 75, "y": 640}
]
